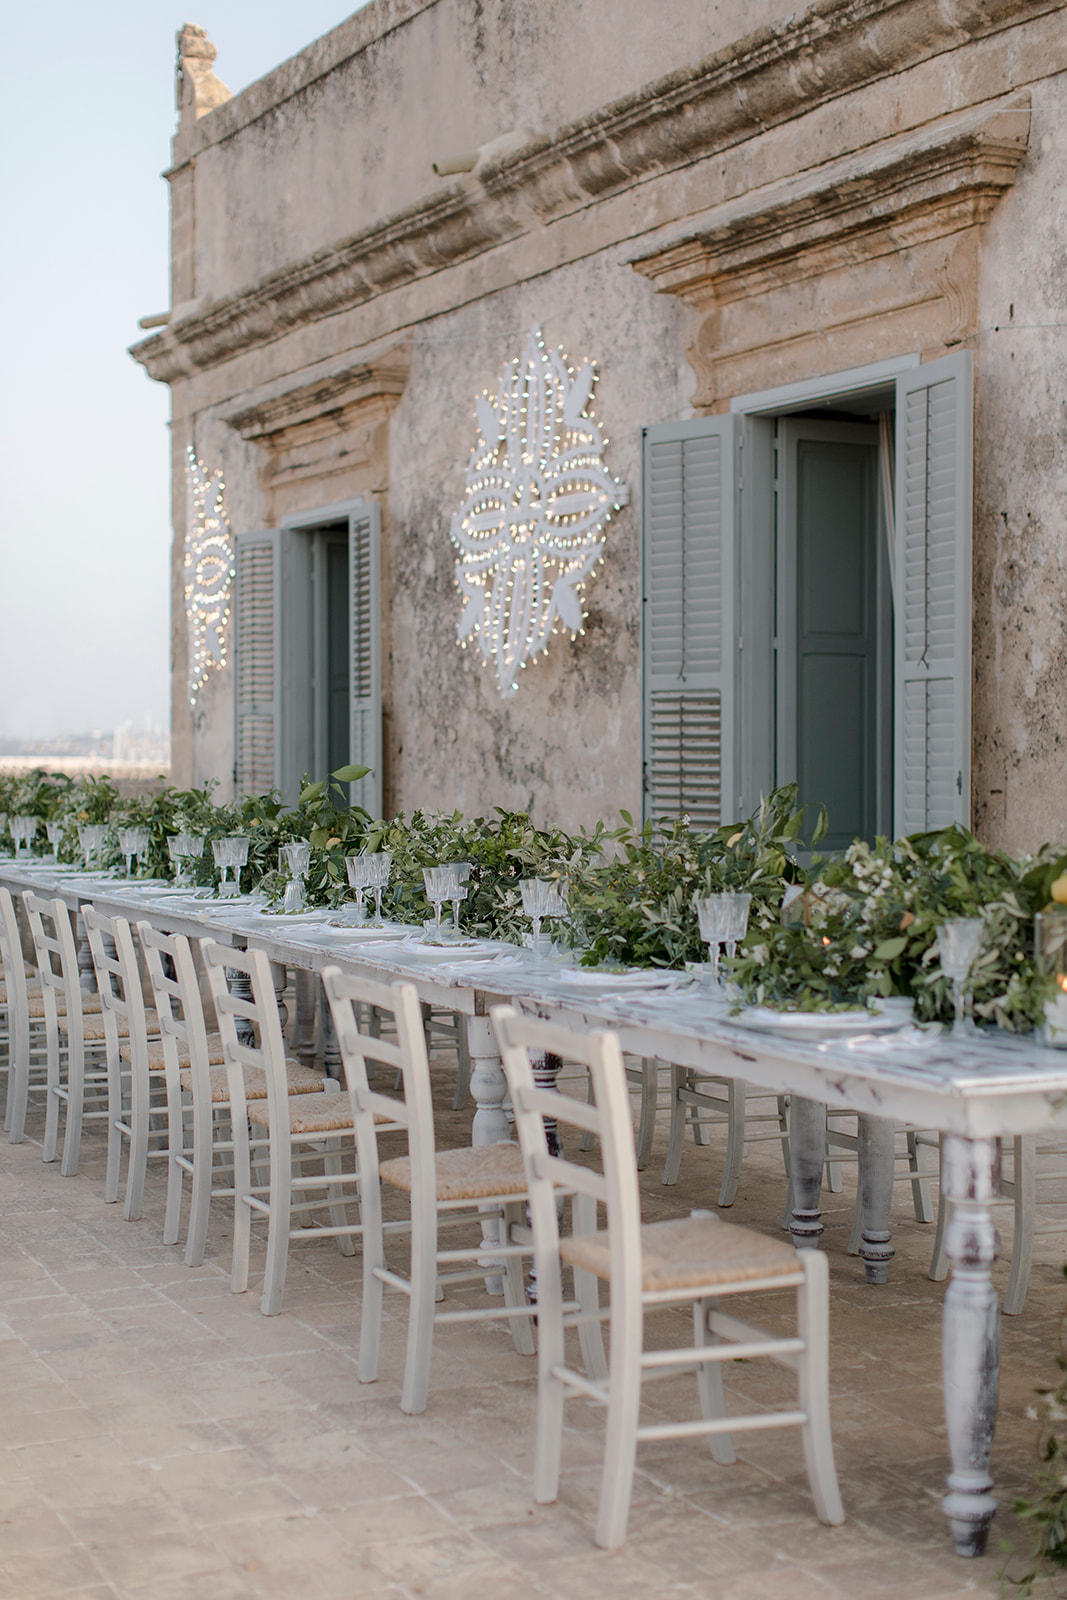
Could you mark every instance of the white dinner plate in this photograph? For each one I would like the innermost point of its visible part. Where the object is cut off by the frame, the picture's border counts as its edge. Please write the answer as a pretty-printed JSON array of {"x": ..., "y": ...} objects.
[
  {"x": 593, "y": 977},
  {"x": 764, "y": 1020}
]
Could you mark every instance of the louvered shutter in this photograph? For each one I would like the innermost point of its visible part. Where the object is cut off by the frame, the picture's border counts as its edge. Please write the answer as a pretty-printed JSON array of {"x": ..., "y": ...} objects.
[
  {"x": 364, "y": 566},
  {"x": 257, "y": 663},
  {"x": 932, "y": 654},
  {"x": 689, "y": 621}
]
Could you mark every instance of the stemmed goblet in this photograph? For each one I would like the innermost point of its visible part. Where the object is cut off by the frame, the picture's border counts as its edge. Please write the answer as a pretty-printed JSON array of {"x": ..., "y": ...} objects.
[
  {"x": 133, "y": 842},
  {"x": 23, "y": 831},
  {"x": 91, "y": 837},
  {"x": 231, "y": 854},
  {"x": 54, "y": 831},
  {"x": 381, "y": 867},
  {"x": 361, "y": 873},
  {"x": 439, "y": 882},
  {"x": 541, "y": 899},
  {"x": 297, "y": 858},
  {"x": 723, "y": 920},
  {"x": 958, "y": 943}
]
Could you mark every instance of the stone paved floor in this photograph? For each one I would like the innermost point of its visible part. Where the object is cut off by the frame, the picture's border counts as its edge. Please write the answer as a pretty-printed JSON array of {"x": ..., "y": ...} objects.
[{"x": 160, "y": 1437}]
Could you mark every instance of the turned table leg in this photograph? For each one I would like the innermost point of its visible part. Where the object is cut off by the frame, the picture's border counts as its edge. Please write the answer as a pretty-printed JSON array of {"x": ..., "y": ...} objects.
[
  {"x": 86, "y": 970},
  {"x": 877, "y": 1152},
  {"x": 307, "y": 993},
  {"x": 807, "y": 1153},
  {"x": 488, "y": 1087},
  {"x": 971, "y": 1337}
]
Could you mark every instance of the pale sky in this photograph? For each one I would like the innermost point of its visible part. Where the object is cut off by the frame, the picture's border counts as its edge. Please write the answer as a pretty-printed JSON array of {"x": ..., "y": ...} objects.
[{"x": 86, "y": 118}]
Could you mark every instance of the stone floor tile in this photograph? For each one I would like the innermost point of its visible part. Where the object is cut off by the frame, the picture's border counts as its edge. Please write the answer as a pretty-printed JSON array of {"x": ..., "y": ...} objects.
[{"x": 45, "y": 1572}]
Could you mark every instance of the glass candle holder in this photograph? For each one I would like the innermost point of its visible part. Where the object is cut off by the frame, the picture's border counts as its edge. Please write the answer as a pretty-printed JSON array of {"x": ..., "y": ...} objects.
[{"x": 1050, "y": 955}]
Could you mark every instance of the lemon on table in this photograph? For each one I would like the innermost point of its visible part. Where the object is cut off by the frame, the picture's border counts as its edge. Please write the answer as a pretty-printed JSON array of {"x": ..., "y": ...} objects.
[{"x": 1059, "y": 890}]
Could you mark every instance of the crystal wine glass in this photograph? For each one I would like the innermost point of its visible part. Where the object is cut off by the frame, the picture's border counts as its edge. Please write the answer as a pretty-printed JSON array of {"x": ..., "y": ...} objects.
[
  {"x": 382, "y": 866},
  {"x": 460, "y": 876},
  {"x": 540, "y": 899},
  {"x": 438, "y": 882},
  {"x": 723, "y": 919},
  {"x": 54, "y": 831},
  {"x": 958, "y": 943},
  {"x": 91, "y": 838},
  {"x": 361, "y": 872},
  {"x": 133, "y": 842},
  {"x": 297, "y": 858},
  {"x": 23, "y": 831}
]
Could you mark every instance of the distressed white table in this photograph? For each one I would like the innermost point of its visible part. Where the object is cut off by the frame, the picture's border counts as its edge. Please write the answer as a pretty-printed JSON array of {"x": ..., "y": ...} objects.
[{"x": 975, "y": 1092}]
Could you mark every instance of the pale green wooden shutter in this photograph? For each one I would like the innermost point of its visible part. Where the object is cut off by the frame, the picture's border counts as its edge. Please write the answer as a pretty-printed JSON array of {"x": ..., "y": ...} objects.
[
  {"x": 257, "y": 663},
  {"x": 364, "y": 566},
  {"x": 689, "y": 616},
  {"x": 932, "y": 635}
]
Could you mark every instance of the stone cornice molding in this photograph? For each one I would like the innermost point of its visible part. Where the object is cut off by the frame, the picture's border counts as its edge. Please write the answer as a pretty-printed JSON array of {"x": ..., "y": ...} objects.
[
  {"x": 774, "y": 74},
  {"x": 910, "y": 189},
  {"x": 378, "y": 376}
]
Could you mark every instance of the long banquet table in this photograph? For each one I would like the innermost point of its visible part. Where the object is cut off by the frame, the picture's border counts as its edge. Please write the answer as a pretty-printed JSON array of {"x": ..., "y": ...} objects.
[{"x": 975, "y": 1091}]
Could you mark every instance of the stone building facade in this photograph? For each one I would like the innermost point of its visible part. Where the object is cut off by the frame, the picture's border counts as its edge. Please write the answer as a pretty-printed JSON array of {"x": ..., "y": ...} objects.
[{"x": 819, "y": 260}]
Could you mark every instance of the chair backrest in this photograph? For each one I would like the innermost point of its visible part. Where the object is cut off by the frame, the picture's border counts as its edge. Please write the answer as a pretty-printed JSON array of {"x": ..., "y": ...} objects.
[
  {"x": 118, "y": 982},
  {"x": 57, "y": 964},
  {"x": 607, "y": 1117},
  {"x": 177, "y": 1000},
  {"x": 260, "y": 1009},
  {"x": 407, "y": 1056},
  {"x": 18, "y": 1019}
]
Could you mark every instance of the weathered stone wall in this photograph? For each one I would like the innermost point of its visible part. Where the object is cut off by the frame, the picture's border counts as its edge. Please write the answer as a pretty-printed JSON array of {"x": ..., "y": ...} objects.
[{"x": 396, "y": 296}]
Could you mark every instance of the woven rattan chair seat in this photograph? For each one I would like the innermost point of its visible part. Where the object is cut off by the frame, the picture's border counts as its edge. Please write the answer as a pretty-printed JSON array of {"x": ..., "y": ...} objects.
[
  {"x": 311, "y": 1113},
  {"x": 302, "y": 1080},
  {"x": 92, "y": 1005},
  {"x": 157, "y": 1060},
  {"x": 93, "y": 1030},
  {"x": 689, "y": 1252},
  {"x": 467, "y": 1174}
]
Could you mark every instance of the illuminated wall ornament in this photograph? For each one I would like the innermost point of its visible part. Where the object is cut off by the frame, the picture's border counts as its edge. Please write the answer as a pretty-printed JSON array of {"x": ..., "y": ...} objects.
[
  {"x": 537, "y": 498},
  {"x": 209, "y": 573}
]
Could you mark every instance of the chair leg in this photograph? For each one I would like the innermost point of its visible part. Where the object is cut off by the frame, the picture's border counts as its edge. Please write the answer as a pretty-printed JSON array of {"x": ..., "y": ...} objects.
[
  {"x": 172, "y": 1217},
  {"x": 920, "y": 1183},
  {"x": 278, "y": 1224},
  {"x": 646, "y": 1127},
  {"x": 18, "y": 1089},
  {"x": 370, "y": 1324},
  {"x": 856, "y": 1235},
  {"x": 463, "y": 1064},
  {"x": 51, "y": 1115},
  {"x": 140, "y": 1115},
  {"x": 200, "y": 1183},
  {"x": 514, "y": 1284},
  {"x": 335, "y": 1194},
  {"x": 620, "y": 1442},
  {"x": 813, "y": 1319},
  {"x": 735, "y": 1140},
  {"x": 1024, "y": 1198},
  {"x": 939, "y": 1259},
  {"x": 587, "y": 1294},
  {"x": 115, "y": 1111},
  {"x": 550, "y": 1390},
  {"x": 242, "y": 1212},
  {"x": 709, "y": 1383},
  {"x": 676, "y": 1137},
  {"x": 72, "y": 1133},
  {"x": 420, "y": 1315}
]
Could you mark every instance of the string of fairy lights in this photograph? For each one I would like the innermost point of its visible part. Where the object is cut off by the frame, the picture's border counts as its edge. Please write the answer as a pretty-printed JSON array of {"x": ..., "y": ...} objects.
[
  {"x": 537, "y": 498},
  {"x": 209, "y": 573}
]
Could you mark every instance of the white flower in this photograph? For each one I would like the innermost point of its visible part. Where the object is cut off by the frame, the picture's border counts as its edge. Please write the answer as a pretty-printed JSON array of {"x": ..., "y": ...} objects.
[
  {"x": 760, "y": 953},
  {"x": 537, "y": 497}
]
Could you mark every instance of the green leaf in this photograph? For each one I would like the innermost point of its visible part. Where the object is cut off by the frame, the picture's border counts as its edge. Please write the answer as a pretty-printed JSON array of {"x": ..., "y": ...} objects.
[
  {"x": 349, "y": 774},
  {"x": 889, "y": 949},
  {"x": 310, "y": 792}
]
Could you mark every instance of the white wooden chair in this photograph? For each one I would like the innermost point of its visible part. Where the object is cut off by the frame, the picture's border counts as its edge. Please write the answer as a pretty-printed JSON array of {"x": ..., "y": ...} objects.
[
  {"x": 700, "y": 1102},
  {"x": 127, "y": 1045},
  {"x": 698, "y": 1259},
  {"x": 448, "y": 1188},
  {"x": 19, "y": 1029},
  {"x": 75, "y": 1037},
  {"x": 301, "y": 1128},
  {"x": 192, "y": 1062}
]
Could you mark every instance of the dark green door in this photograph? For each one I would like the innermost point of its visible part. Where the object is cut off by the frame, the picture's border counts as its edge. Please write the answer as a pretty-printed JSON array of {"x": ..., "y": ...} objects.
[{"x": 831, "y": 657}]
